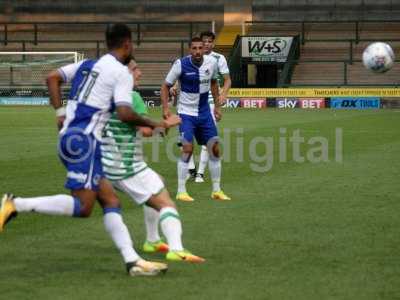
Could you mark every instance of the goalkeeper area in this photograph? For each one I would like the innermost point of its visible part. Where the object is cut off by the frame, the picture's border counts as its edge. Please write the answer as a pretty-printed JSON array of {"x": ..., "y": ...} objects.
[
  {"x": 300, "y": 230},
  {"x": 31, "y": 68},
  {"x": 23, "y": 75}
]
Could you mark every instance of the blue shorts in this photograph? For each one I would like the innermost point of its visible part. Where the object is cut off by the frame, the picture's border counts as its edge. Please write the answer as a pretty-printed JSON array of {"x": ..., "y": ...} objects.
[
  {"x": 81, "y": 155},
  {"x": 201, "y": 127}
]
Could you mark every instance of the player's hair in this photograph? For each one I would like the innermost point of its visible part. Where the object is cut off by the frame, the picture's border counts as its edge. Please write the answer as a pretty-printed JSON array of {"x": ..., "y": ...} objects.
[
  {"x": 207, "y": 34},
  {"x": 116, "y": 35},
  {"x": 195, "y": 39}
]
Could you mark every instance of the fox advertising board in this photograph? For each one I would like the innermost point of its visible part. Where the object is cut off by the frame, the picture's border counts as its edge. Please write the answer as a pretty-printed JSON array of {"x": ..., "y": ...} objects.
[{"x": 355, "y": 103}]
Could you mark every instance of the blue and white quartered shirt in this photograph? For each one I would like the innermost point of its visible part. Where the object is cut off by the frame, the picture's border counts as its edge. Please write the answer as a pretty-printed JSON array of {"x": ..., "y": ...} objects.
[
  {"x": 96, "y": 88},
  {"x": 195, "y": 83}
]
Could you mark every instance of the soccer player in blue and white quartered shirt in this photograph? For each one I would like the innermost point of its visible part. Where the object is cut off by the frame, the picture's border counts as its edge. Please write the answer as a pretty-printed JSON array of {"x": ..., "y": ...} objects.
[
  {"x": 97, "y": 89},
  {"x": 197, "y": 75},
  {"x": 224, "y": 83}
]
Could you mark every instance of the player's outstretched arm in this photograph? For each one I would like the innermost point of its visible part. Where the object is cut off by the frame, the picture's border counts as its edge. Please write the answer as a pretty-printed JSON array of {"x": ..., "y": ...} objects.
[
  {"x": 164, "y": 100},
  {"x": 54, "y": 81},
  {"x": 171, "y": 121},
  {"x": 145, "y": 131},
  {"x": 127, "y": 115}
]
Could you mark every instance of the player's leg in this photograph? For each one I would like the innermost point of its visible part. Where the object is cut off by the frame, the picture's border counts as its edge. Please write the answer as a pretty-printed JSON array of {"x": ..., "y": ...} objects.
[
  {"x": 204, "y": 157},
  {"x": 139, "y": 188},
  {"x": 153, "y": 239},
  {"x": 192, "y": 168},
  {"x": 171, "y": 227},
  {"x": 208, "y": 135},
  {"x": 78, "y": 204},
  {"x": 64, "y": 205},
  {"x": 186, "y": 129},
  {"x": 148, "y": 188},
  {"x": 214, "y": 165},
  {"x": 119, "y": 233},
  {"x": 202, "y": 164}
]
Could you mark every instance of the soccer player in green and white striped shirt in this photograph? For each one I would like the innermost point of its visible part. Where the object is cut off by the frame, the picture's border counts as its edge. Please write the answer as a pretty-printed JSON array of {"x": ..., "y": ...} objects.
[{"x": 124, "y": 166}]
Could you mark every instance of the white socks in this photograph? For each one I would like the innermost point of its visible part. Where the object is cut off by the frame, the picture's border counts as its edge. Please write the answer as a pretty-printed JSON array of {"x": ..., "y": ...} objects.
[
  {"x": 69, "y": 206},
  {"x": 214, "y": 165},
  {"x": 119, "y": 234},
  {"x": 151, "y": 218},
  {"x": 203, "y": 160},
  {"x": 172, "y": 228},
  {"x": 182, "y": 174},
  {"x": 191, "y": 164},
  {"x": 65, "y": 205}
]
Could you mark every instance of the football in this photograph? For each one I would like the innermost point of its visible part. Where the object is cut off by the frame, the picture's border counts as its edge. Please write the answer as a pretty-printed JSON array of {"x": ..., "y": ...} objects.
[{"x": 378, "y": 57}]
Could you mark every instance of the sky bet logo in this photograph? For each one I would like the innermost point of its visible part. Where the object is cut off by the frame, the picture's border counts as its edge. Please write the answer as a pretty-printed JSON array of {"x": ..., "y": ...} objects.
[
  {"x": 232, "y": 103},
  {"x": 312, "y": 103},
  {"x": 301, "y": 102},
  {"x": 287, "y": 103},
  {"x": 253, "y": 103}
]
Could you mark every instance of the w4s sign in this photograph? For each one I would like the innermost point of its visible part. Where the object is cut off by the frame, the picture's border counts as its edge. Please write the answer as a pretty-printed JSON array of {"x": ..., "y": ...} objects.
[{"x": 266, "y": 48}]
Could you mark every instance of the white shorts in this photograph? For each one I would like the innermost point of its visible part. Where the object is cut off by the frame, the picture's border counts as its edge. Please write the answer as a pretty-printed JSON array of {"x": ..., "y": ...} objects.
[{"x": 141, "y": 186}]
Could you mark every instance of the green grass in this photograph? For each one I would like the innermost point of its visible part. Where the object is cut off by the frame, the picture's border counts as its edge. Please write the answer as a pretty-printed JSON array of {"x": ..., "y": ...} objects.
[{"x": 326, "y": 230}]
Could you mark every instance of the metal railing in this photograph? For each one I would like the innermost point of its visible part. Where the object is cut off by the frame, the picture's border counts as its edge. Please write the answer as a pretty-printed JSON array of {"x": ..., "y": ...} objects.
[
  {"x": 302, "y": 26},
  {"x": 98, "y": 45},
  {"x": 35, "y": 29},
  {"x": 351, "y": 44},
  {"x": 346, "y": 80}
]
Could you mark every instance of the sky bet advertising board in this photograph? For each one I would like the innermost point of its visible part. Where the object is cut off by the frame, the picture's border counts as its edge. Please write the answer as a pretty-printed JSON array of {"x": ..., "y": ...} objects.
[
  {"x": 307, "y": 103},
  {"x": 355, "y": 103},
  {"x": 258, "y": 103}
]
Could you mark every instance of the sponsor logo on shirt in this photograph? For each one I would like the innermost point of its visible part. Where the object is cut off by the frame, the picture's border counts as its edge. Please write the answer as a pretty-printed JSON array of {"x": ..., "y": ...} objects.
[
  {"x": 80, "y": 177},
  {"x": 204, "y": 81}
]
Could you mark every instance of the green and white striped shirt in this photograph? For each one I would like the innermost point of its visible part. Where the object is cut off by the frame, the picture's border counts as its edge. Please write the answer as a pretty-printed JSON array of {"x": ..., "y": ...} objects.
[
  {"x": 122, "y": 145},
  {"x": 222, "y": 70}
]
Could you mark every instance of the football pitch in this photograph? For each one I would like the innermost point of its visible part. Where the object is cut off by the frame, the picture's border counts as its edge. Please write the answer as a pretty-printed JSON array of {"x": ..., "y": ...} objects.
[{"x": 327, "y": 227}]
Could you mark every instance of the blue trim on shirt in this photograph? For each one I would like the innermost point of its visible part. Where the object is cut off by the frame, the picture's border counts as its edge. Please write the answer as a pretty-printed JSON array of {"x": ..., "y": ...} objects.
[
  {"x": 204, "y": 107},
  {"x": 83, "y": 116},
  {"x": 190, "y": 77},
  {"x": 80, "y": 78}
]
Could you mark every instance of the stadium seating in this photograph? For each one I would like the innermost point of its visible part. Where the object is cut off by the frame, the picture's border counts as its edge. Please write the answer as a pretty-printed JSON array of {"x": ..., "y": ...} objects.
[
  {"x": 318, "y": 10},
  {"x": 159, "y": 42},
  {"x": 330, "y": 41},
  {"x": 160, "y": 45}
]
